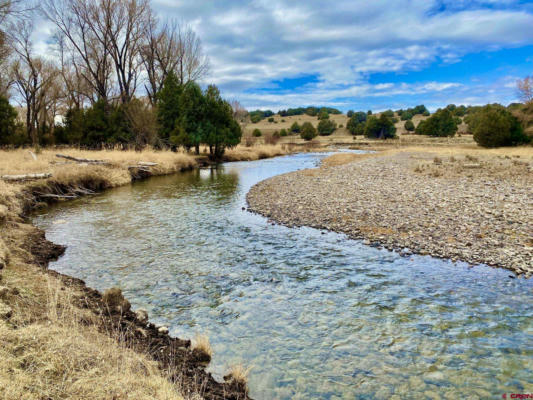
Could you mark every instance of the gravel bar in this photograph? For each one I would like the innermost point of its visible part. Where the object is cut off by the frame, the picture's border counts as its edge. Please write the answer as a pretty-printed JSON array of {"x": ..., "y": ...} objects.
[{"x": 477, "y": 211}]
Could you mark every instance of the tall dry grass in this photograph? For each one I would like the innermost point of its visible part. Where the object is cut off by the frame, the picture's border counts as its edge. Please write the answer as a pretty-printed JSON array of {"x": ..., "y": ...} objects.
[
  {"x": 16, "y": 162},
  {"x": 54, "y": 351},
  {"x": 255, "y": 152}
]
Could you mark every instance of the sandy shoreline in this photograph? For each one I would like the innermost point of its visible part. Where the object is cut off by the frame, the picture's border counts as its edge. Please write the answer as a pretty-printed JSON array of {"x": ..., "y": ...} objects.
[{"x": 478, "y": 210}]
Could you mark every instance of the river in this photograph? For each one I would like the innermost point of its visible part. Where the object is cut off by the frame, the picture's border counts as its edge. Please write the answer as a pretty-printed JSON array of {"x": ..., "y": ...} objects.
[{"x": 315, "y": 314}]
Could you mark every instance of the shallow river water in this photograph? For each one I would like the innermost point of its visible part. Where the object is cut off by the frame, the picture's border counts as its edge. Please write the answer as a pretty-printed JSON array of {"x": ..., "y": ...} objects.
[{"x": 315, "y": 315}]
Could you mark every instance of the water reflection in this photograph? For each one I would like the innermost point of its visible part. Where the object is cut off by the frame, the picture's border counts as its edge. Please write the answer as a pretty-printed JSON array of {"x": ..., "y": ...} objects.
[{"x": 317, "y": 315}]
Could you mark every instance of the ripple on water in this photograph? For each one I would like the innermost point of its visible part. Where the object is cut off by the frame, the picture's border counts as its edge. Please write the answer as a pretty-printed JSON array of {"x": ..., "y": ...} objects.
[{"x": 316, "y": 315}]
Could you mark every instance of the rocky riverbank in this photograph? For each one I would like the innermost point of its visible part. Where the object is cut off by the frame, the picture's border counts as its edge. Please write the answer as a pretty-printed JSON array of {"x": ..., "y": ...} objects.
[{"x": 473, "y": 208}]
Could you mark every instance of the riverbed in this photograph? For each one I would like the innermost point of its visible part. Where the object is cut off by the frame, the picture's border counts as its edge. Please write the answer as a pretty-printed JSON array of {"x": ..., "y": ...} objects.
[{"x": 315, "y": 314}]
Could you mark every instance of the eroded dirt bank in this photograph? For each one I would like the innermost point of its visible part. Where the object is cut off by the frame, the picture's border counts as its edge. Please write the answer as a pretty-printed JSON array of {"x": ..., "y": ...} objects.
[{"x": 477, "y": 209}]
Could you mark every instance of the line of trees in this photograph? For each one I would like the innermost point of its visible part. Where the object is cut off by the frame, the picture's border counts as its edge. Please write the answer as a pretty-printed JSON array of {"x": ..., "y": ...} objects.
[{"x": 106, "y": 54}]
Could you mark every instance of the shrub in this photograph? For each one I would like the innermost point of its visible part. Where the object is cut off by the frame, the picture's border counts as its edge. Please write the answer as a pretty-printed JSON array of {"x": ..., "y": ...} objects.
[
  {"x": 395, "y": 120},
  {"x": 440, "y": 124},
  {"x": 388, "y": 113},
  {"x": 295, "y": 128},
  {"x": 409, "y": 126},
  {"x": 249, "y": 141},
  {"x": 271, "y": 138},
  {"x": 356, "y": 124},
  {"x": 406, "y": 115},
  {"x": 283, "y": 132},
  {"x": 350, "y": 114},
  {"x": 276, "y": 134},
  {"x": 494, "y": 126},
  {"x": 323, "y": 115},
  {"x": 271, "y": 119},
  {"x": 308, "y": 131},
  {"x": 257, "y": 133},
  {"x": 326, "y": 127},
  {"x": 380, "y": 128},
  {"x": 425, "y": 113},
  {"x": 341, "y": 126},
  {"x": 369, "y": 112}
]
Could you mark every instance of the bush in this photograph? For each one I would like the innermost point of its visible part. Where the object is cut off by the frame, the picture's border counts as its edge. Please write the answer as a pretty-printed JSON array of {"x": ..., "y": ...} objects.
[
  {"x": 388, "y": 113},
  {"x": 369, "y": 112},
  {"x": 323, "y": 115},
  {"x": 380, "y": 128},
  {"x": 271, "y": 138},
  {"x": 308, "y": 131},
  {"x": 257, "y": 133},
  {"x": 395, "y": 120},
  {"x": 494, "y": 126},
  {"x": 406, "y": 115},
  {"x": 271, "y": 119},
  {"x": 276, "y": 134},
  {"x": 425, "y": 113},
  {"x": 440, "y": 124},
  {"x": 283, "y": 132},
  {"x": 350, "y": 114},
  {"x": 409, "y": 126},
  {"x": 295, "y": 128},
  {"x": 326, "y": 127}
]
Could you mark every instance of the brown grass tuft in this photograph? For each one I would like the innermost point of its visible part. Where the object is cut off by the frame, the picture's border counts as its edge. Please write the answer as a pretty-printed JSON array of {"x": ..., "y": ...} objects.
[
  {"x": 238, "y": 375},
  {"x": 201, "y": 344}
]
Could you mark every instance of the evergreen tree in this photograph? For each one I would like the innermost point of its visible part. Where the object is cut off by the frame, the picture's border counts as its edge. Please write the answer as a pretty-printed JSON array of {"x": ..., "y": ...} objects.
[
  {"x": 380, "y": 128},
  {"x": 220, "y": 128},
  {"x": 440, "y": 124},
  {"x": 8, "y": 117},
  {"x": 189, "y": 132},
  {"x": 168, "y": 106}
]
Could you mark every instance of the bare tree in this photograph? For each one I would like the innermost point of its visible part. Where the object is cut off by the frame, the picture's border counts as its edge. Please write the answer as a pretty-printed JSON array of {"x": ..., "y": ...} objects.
[
  {"x": 525, "y": 89},
  {"x": 32, "y": 76},
  {"x": 172, "y": 48},
  {"x": 106, "y": 35},
  {"x": 89, "y": 52}
]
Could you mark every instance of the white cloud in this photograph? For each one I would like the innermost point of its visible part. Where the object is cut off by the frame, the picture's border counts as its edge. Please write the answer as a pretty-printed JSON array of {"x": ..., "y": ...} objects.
[{"x": 252, "y": 43}]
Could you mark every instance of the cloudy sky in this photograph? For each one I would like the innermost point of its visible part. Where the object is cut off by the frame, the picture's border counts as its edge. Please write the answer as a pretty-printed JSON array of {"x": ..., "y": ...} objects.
[{"x": 356, "y": 54}]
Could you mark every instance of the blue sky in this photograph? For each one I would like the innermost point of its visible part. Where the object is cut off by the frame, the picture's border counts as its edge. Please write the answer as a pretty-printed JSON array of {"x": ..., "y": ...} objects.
[
  {"x": 357, "y": 54},
  {"x": 363, "y": 55}
]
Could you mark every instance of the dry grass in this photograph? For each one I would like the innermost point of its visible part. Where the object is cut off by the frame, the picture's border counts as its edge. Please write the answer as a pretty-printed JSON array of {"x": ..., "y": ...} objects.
[
  {"x": 50, "y": 351},
  {"x": 21, "y": 162},
  {"x": 255, "y": 152},
  {"x": 344, "y": 158},
  {"x": 238, "y": 374},
  {"x": 201, "y": 344}
]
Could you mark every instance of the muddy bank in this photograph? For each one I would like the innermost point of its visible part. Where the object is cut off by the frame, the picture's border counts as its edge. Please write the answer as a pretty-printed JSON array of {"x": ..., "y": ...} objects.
[{"x": 461, "y": 208}]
